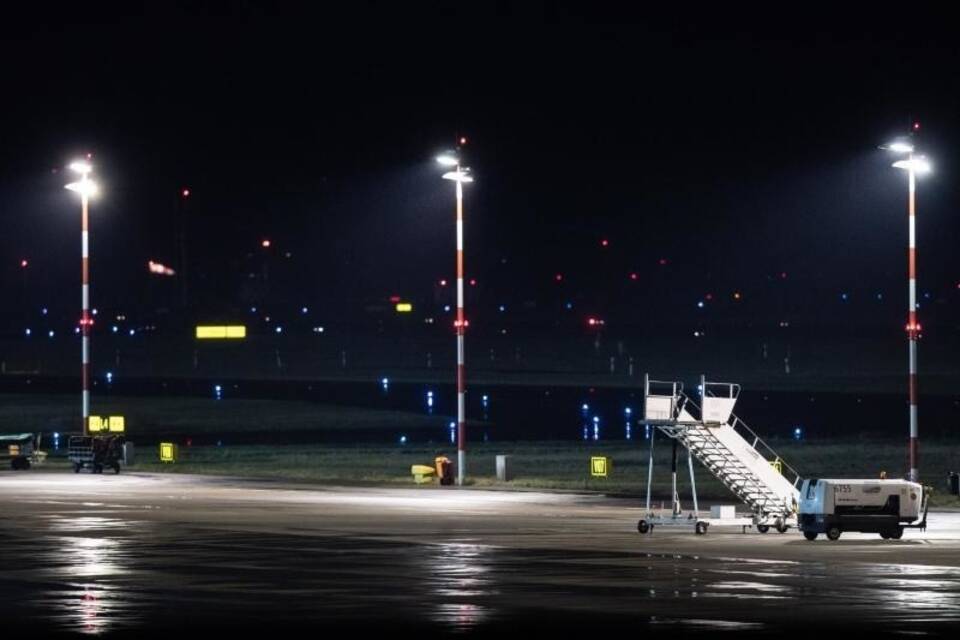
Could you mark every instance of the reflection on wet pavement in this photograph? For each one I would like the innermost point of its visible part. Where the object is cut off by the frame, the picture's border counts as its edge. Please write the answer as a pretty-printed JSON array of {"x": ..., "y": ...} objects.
[{"x": 105, "y": 567}]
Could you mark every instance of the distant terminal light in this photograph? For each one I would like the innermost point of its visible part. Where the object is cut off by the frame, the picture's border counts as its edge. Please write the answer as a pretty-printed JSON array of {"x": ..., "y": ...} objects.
[
  {"x": 709, "y": 296},
  {"x": 50, "y": 333},
  {"x": 395, "y": 299},
  {"x": 265, "y": 243},
  {"x": 304, "y": 310},
  {"x": 844, "y": 297},
  {"x": 318, "y": 329},
  {"x": 604, "y": 243},
  {"x": 473, "y": 282},
  {"x": 115, "y": 328},
  {"x": 278, "y": 329},
  {"x": 595, "y": 322},
  {"x": 185, "y": 193},
  {"x": 404, "y": 307},
  {"x": 446, "y": 308},
  {"x": 221, "y": 332},
  {"x": 736, "y": 295},
  {"x": 634, "y": 276},
  {"x": 24, "y": 263},
  {"x": 559, "y": 278},
  {"x": 443, "y": 282},
  {"x": 783, "y": 275},
  {"x": 502, "y": 308},
  {"x": 700, "y": 304},
  {"x": 27, "y": 332},
  {"x": 663, "y": 262}
]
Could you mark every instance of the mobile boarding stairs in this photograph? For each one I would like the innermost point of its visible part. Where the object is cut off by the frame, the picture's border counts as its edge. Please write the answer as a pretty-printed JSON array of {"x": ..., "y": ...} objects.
[{"x": 728, "y": 448}]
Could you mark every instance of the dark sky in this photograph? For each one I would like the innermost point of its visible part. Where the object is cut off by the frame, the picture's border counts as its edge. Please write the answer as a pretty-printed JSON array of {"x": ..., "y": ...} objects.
[{"x": 738, "y": 144}]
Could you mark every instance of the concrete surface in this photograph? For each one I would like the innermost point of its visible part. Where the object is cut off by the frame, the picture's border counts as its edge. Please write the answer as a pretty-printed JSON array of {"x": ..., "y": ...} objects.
[{"x": 142, "y": 553}]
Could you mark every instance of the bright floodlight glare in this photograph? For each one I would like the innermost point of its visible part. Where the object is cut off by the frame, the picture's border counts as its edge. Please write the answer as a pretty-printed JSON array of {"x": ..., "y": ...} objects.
[
  {"x": 84, "y": 187},
  {"x": 448, "y": 160},
  {"x": 917, "y": 165},
  {"x": 458, "y": 176},
  {"x": 81, "y": 167},
  {"x": 900, "y": 147}
]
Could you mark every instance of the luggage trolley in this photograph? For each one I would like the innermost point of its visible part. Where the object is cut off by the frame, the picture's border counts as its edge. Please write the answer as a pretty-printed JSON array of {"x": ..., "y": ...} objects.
[{"x": 95, "y": 453}]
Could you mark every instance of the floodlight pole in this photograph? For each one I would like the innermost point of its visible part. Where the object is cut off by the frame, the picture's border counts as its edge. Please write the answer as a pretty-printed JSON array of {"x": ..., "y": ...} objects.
[
  {"x": 85, "y": 313},
  {"x": 461, "y": 364},
  {"x": 913, "y": 328}
]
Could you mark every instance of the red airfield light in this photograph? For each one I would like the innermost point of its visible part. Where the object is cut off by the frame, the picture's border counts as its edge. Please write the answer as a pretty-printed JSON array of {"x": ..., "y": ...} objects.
[
  {"x": 916, "y": 126},
  {"x": 473, "y": 282},
  {"x": 634, "y": 276},
  {"x": 185, "y": 193},
  {"x": 559, "y": 278},
  {"x": 604, "y": 243},
  {"x": 663, "y": 262},
  {"x": 463, "y": 140},
  {"x": 394, "y": 299},
  {"x": 25, "y": 263}
]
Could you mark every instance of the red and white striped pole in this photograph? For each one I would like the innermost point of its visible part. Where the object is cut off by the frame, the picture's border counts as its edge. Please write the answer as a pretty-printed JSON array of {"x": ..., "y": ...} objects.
[
  {"x": 913, "y": 327},
  {"x": 461, "y": 378},
  {"x": 85, "y": 187},
  {"x": 85, "y": 313}
]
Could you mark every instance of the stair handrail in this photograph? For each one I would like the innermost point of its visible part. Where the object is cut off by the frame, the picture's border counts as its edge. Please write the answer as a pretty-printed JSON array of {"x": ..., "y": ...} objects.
[{"x": 737, "y": 422}]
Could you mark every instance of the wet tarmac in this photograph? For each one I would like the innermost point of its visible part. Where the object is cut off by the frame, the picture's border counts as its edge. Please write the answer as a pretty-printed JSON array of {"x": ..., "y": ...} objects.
[{"x": 161, "y": 554}]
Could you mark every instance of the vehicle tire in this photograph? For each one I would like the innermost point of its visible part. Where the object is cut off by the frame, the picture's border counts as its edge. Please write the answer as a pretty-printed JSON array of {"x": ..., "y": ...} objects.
[
  {"x": 833, "y": 533},
  {"x": 781, "y": 527},
  {"x": 885, "y": 534},
  {"x": 76, "y": 467},
  {"x": 15, "y": 464},
  {"x": 25, "y": 465},
  {"x": 810, "y": 535},
  {"x": 643, "y": 526},
  {"x": 700, "y": 528},
  {"x": 896, "y": 533},
  {"x": 763, "y": 528},
  {"x": 98, "y": 468},
  {"x": 116, "y": 468}
]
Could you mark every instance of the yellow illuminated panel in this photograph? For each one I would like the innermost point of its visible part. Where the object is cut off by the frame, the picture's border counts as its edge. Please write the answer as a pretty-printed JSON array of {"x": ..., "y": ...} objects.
[
  {"x": 115, "y": 424},
  {"x": 168, "y": 452},
  {"x": 600, "y": 466},
  {"x": 404, "y": 307},
  {"x": 238, "y": 331},
  {"x": 96, "y": 424},
  {"x": 221, "y": 332}
]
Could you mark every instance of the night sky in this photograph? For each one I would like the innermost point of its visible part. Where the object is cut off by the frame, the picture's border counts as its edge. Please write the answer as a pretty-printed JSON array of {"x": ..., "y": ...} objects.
[{"x": 737, "y": 146}]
